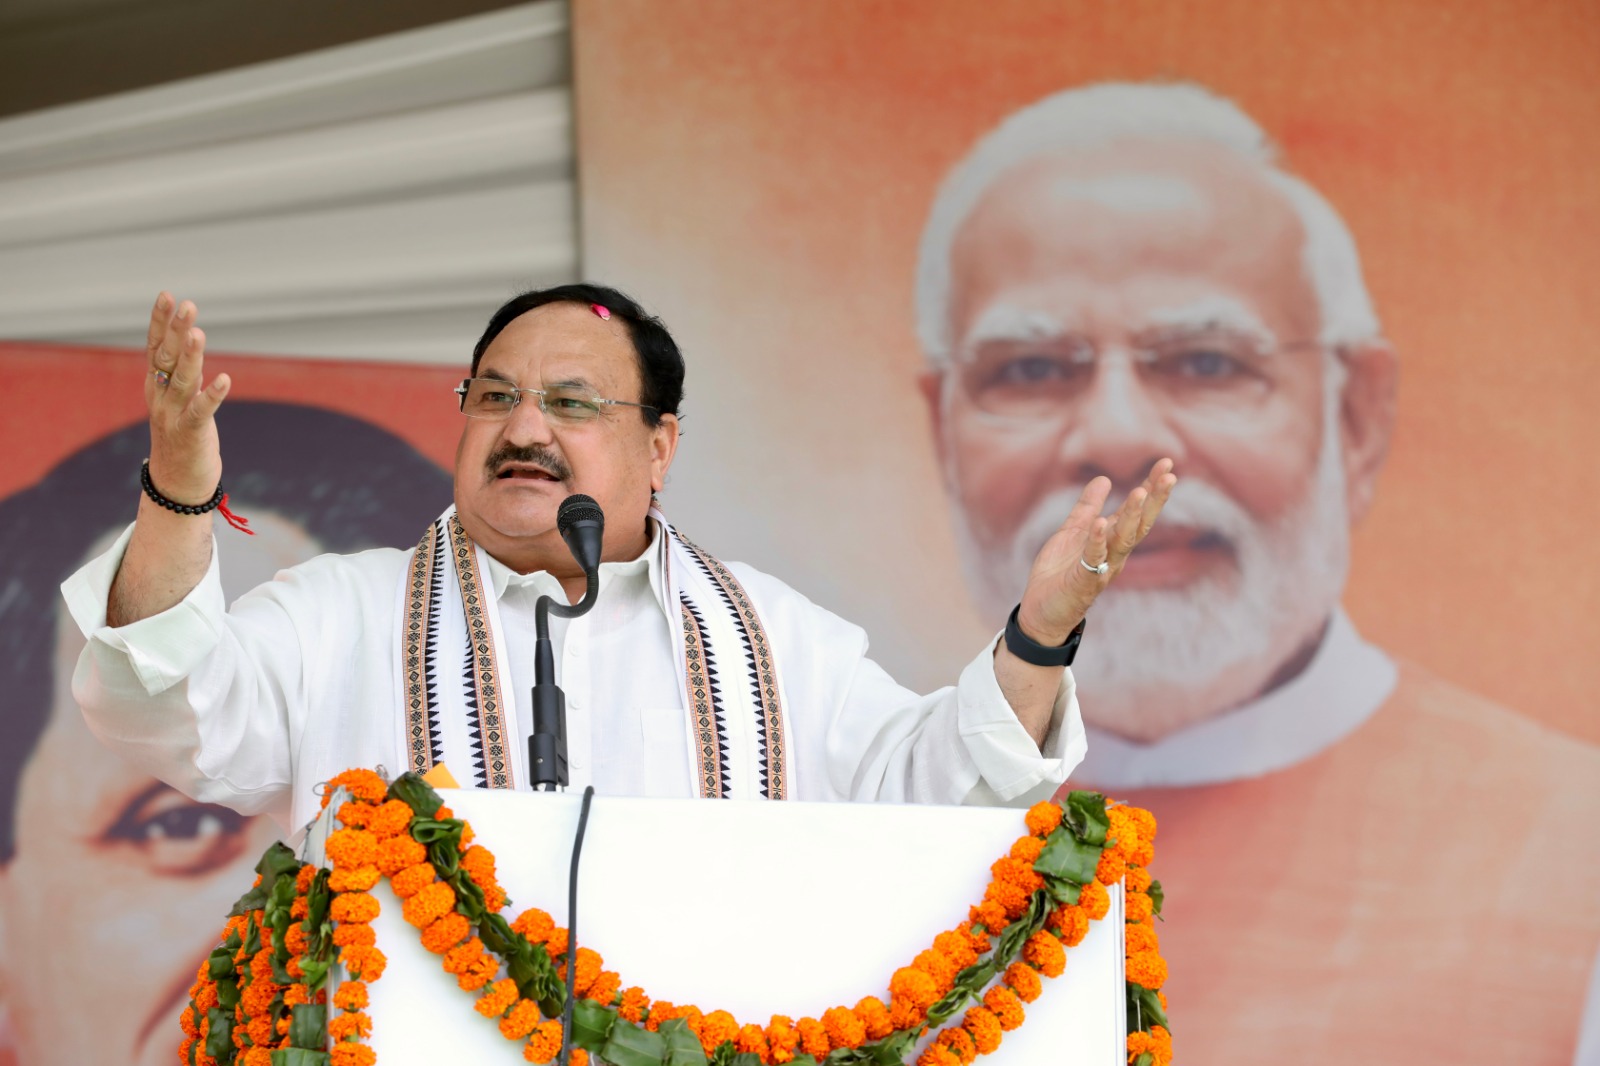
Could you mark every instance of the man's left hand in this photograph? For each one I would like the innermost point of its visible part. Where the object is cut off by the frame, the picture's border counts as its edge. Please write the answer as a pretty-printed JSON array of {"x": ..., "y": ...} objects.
[{"x": 1061, "y": 586}]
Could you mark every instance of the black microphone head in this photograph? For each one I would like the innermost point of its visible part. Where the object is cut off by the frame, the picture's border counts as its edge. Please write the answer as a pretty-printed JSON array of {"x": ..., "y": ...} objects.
[
  {"x": 582, "y": 526},
  {"x": 578, "y": 508}
]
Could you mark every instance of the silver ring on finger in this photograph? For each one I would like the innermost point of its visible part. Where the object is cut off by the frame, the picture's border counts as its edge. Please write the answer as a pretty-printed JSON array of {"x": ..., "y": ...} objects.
[
  {"x": 162, "y": 377},
  {"x": 1101, "y": 571}
]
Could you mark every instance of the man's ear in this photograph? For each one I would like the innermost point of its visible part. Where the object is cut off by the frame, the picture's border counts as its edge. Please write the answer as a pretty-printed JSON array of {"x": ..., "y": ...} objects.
[
  {"x": 931, "y": 384},
  {"x": 1366, "y": 419},
  {"x": 663, "y": 446}
]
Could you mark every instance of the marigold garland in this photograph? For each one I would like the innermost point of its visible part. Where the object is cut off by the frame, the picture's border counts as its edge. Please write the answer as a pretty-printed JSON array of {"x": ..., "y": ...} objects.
[{"x": 262, "y": 988}]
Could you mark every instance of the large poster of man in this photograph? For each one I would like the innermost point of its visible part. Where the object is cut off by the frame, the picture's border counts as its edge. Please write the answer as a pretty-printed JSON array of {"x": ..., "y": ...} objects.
[
  {"x": 111, "y": 882},
  {"x": 937, "y": 267}
]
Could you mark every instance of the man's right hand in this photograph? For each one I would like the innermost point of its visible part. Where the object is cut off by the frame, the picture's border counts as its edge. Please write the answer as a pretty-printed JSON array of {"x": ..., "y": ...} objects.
[
  {"x": 169, "y": 552},
  {"x": 185, "y": 456}
]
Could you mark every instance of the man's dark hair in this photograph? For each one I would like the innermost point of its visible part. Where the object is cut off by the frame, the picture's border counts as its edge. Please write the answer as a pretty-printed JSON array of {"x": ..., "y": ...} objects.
[
  {"x": 660, "y": 362},
  {"x": 349, "y": 484}
]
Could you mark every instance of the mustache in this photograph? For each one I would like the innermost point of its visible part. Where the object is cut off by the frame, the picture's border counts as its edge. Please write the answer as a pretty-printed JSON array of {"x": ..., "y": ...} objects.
[{"x": 533, "y": 454}]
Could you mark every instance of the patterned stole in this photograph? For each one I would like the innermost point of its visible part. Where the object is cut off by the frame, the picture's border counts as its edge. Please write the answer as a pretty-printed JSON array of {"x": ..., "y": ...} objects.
[{"x": 452, "y": 663}]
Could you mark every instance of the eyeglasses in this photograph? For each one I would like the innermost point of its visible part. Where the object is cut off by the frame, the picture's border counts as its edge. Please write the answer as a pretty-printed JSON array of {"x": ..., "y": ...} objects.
[
  {"x": 494, "y": 399},
  {"x": 1207, "y": 370}
]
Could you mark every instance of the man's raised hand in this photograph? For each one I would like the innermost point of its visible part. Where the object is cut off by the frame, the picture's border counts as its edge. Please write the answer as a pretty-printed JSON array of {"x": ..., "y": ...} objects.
[
  {"x": 185, "y": 456},
  {"x": 1062, "y": 585}
]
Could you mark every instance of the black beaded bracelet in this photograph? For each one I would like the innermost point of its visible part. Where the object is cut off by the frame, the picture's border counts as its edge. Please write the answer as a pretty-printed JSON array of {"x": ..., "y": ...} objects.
[{"x": 172, "y": 505}]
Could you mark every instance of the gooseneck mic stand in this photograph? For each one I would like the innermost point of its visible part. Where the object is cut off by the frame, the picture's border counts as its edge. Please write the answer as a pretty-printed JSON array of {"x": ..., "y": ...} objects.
[{"x": 582, "y": 526}]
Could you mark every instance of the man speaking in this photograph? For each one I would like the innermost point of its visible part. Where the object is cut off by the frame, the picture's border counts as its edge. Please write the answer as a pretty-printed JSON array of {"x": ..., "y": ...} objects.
[{"x": 689, "y": 677}]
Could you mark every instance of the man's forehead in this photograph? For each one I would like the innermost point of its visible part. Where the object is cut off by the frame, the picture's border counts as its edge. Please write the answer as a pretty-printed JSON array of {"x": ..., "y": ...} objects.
[{"x": 563, "y": 343}]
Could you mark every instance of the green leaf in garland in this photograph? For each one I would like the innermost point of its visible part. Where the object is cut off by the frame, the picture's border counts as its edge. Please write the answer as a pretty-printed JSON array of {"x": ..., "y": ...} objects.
[
  {"x": 591, "y": 1024},
  {"x": 496, "y": 934},
  {"x": 1157, "y": 896},
  {"x": 219, "y": 1038},
  {"x": 1062, "y": 891},
  {"x": 1067, "y": 858},
  {"x": 1085, "y": 812},
  {"x": 227, "y": 992},
  {"x": 314, "y": 972},
  {"x": 219, "y": 963},
  {"x": 683, "y": 1047},
  {"x": 745, "y": 1058},
  {"x": 629, "y": 1045},
  {"x": 275, "y": 860},
  {"x": 308, "y": 1025},
  {"x": 417, "y": 794},
  {"x": 1144, "y": 1059},
  {"x": 1144, "y": 1010},
  {"x": 299, "y": 1056}
]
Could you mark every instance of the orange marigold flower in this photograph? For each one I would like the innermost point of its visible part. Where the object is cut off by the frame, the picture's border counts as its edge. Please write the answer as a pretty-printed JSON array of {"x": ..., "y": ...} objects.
[
  {"x": 1006, "y": 1006},
  {"x": 903, "y": 1013},
  {"x": 186, "y": 1021},
  {"x": 1139, "y": 1044},
  {"x": 957, "y": 946},
  {"x": 1018, "y": 873},
  {"x": 959, "y": 1041},
  {"x": 363, "y": 785},
  {"x": 257, "y": 997},
  {"x": 396, "y": 853},
  {"x": 1138, "y": 879},
  {"x": 984, "y": 1028},
  {"x": 1023, "y": 981},
  {"x": 353, "y": 907},
  {"x": 939, "y": 966},
  {"x": 1070, "y": 923},
  {"x": 295, "y": 939},
  {"x": 389, "y": 819},
  {"x": 534, "y": 924},
  {"x": 1094, "y": 900},
  {"x": 299, "y": 908},
  {"x": 605, "y": 988},
  {"x": 1044, "y": 953},
  {"x": 354, "y": 813},
  {"x": 494, "y": 898},
  {"x": 1147, "y": 969},
  {"x": 556, "y": 943},
  {"x": 354, "y": 879},
  {"x": 1027, "y": 849},
  {"x": 751, "y": 1041},
  {"x": 302, "y": 882},
  {"x": 716, "y": 1029},
  {"x": 874, "y": 1017},
  {"x": 257, "y": 1056},
  {"x": 412, "y": 879},
  {"x": 545, "y": 1043},
  {"x": 497, "y": 998},
  {"x": 446, "y": 932},
  {"x": 462, "y": 956},
  {"x": 1162, "y": 996},
  {"x": 351, "y": 848},
  {"x": 1137, "y": 938},
  {"x": 1138, "y": 907},
  {"x": 353, "y": 1024},
  {"x": 663, "y": 1011},
  {"x": 521, "y": 1020},
  {"x": 352, "y": 995},
  {"x": 259, "y": 1030},
  {"x": 589, "y": 963},
  {"x": 813, "y": 1037},
  {"x": 206, "y": 998},
  {"x": 261, "y": 964},
  {"x": 365, "y": 963},
  {"x": 915, "y": 986},
  {"x": 1111, "y": 868},
  {"x": 352, "y": 1055},
  {"x": 634, "y": 1004},
  {"x": 430, "y": 904},
  {"x": 478, "y": 862},
  {"x": 937, "y": 1055},
  {"x": 843, "y": 1027},
  {"x": 354, "y": 934},
  {"x": 1162, "y": 1049},
  {"x": 1012, "y": 898},
  {"x": 295, "y": 995},
  {"x": 479, "y": 973},
  {"x": 1043, "y": 818},
  {"x": 990, "y": 915}
]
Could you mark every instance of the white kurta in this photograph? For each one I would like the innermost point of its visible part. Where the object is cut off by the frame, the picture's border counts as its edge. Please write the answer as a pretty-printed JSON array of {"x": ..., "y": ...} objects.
[{"x": 252, "y": 707}]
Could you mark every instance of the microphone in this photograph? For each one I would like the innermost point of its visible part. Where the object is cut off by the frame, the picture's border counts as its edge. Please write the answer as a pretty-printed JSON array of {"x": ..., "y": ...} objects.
[{"x": 582, "y": 525}]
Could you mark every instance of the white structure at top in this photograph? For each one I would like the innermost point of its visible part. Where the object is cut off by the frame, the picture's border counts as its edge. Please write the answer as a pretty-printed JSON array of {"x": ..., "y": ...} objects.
[{"x": 370, "y": 201}]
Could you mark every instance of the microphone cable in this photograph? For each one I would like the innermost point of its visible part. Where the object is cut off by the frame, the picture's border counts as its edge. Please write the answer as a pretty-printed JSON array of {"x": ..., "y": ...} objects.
[{"x": 572, "y": 928}]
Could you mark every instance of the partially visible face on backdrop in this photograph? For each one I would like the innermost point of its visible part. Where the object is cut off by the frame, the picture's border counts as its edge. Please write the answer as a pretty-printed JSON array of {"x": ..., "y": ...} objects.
[
  {"x": 119, "y": 884},
  {"x": 1133, "y": 301}
]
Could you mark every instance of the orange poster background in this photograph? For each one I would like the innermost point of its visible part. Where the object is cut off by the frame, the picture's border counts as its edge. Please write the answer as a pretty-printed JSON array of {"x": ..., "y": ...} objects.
[{"x": 761, "y": 174}]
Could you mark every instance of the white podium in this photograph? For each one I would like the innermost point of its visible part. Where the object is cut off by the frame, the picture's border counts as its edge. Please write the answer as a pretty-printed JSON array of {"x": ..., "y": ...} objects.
[{"x": 753, "y": 908}]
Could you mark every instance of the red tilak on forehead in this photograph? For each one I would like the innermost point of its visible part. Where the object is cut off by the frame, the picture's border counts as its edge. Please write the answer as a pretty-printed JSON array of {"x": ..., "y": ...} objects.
[{"x": 601, "y": 310}]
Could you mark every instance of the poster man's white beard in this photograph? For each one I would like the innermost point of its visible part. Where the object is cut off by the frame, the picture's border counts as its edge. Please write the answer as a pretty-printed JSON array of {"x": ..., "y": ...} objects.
[{"x": 1160, "y": 658}]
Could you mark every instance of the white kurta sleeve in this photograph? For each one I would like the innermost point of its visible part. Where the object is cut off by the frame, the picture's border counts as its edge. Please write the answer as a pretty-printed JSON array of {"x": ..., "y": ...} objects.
[{"x": 197, "y": 697}]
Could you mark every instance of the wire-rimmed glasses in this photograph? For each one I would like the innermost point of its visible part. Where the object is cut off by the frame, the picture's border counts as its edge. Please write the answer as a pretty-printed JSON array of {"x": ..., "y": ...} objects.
[{"x": 495, "y": 399}]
